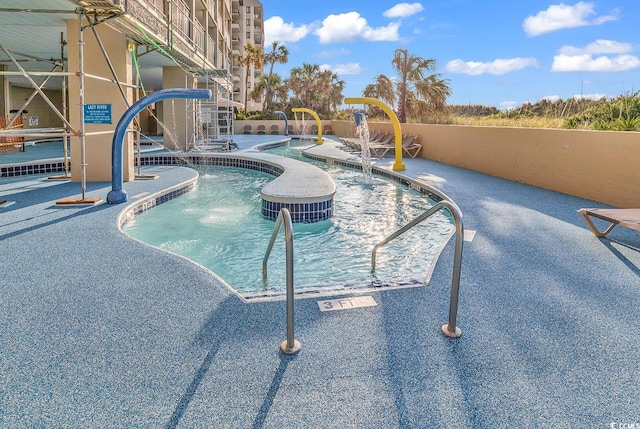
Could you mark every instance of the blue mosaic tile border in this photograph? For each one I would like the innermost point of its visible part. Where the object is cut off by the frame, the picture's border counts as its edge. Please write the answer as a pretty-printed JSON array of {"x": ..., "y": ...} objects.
[
  {"x": 151, "y": 203},
  {"x": 223, "y": 161},
  {"x": 25, "y": 169},
  {"x": 300, "y": 212}
]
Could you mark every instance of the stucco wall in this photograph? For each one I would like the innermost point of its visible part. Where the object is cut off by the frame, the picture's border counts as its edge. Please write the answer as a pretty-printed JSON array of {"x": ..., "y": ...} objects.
[{"x": 600, "y": 165}]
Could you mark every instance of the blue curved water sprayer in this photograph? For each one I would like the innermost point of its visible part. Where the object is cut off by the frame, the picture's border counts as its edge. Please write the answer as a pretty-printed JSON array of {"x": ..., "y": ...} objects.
[
  {"x": 118, "y": 195},
  {"x": 286, "y": 121}
]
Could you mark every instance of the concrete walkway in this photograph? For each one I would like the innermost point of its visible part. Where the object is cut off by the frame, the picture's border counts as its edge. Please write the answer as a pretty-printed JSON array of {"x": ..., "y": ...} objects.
[{"x": 100, "y": 331}]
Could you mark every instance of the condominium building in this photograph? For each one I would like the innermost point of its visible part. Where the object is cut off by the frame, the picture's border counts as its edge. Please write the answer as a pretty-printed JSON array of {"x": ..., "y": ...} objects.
[
  {"x": 58, "y": 56},
  {"x": 247, "y": 28}
]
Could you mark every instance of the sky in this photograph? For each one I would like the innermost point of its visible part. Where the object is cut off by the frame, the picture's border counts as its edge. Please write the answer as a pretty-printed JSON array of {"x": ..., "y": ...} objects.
[{"x": 498, "y": 53}]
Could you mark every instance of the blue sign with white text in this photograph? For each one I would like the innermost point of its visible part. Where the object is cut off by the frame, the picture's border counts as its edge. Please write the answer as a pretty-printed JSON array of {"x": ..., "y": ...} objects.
[{"x": 97, "y": 114}]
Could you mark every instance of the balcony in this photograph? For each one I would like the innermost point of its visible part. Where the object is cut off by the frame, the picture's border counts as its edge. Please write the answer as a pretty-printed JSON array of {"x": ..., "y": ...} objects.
[{"x": 185, "y": 40}]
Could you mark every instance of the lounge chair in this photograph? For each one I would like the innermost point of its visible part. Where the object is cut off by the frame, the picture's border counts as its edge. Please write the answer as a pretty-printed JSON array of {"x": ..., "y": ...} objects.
[
  {"x": 410, "y": 146},
  {"x": 354, "y": 143},
  {"x": 246, "y": 129},
  {"x": 380, "y": 148},
  {"x": 628, "y": 218},
  {"x": 275, "y": 129},
  {"x": 290, "y": 129},
  {"x": 314, "y": 129},
  {"x": 262, "y": 129},
  {"x": 327, "y": 130}
]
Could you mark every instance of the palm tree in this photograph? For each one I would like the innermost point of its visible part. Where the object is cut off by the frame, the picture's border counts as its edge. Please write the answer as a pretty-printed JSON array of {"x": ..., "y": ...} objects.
[
  {"x": 263, "y": 86},
  {"x": 302, "y": 82},
  {"x": 335, "y": 93},
  {"x": 252, "y": 57},
  {"x": 414, "y": 83},
  {"x": 383, "y": 90},
  {"x": 279, "y": 54}
]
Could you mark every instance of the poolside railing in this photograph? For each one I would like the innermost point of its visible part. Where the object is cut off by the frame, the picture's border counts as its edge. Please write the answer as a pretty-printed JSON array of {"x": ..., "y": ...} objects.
[
  {"x": 290, "y": 345},
  {"x": 450, "y": 329}
]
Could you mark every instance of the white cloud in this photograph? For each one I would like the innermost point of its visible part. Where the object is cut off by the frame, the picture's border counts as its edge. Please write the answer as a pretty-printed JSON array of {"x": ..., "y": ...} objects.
[
  {"x": 343, "y": 69},
  {"x": 350, "y": 26},
  {"x": 497, "y": 67},
  {"x": 598, "y": 47},
  {"x": 586, "y": 62},
  {"x": 509, "y": 104},
  {"x": 551, "y": 98},
  {"x": 559, "y": 16},
  {"x": 276, "y": 29},
  {"x": 590, "y": 96},
  {"x": 402, "y": 10}
]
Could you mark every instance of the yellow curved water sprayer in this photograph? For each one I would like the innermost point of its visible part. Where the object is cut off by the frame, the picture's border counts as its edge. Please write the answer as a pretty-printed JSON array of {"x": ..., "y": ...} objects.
[
  {"x": 398, "y": 165},
  {"x": 315, "y": 116}
]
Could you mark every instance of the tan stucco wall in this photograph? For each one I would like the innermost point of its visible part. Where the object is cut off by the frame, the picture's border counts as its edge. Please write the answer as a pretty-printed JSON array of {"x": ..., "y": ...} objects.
[
  {"x": 176, "y": 113},
  {"x": 599, "y": 165},
  {"x": 38, "y": 109},
  {"x": 98, "y": 147}
]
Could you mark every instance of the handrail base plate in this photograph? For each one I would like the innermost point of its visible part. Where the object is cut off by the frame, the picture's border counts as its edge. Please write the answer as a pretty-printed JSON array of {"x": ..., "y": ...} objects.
[
  {"x": 284, "y": 348},
  {"x": 452, "y": 334}
]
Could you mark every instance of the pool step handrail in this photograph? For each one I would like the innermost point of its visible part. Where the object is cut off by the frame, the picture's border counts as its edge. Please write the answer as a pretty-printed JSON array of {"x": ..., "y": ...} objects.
[
  {"x": 450, "y": 329},
  {"x": 290, "y": 345}
]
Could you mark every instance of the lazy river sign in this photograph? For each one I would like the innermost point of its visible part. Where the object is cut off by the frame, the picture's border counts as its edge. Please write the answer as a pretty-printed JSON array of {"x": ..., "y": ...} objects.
[{"x": 97, "y": 114}]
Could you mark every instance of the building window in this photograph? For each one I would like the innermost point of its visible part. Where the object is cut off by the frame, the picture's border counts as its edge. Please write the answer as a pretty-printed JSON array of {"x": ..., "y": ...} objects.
[
  {"x": 248, "y": 9},
  {"x": 248, "y": 35}
]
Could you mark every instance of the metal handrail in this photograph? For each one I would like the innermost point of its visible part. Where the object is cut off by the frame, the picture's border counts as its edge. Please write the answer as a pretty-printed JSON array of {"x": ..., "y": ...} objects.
[
  {"x": 290, "y": 345},
  {"x": 450, "y": 329}
]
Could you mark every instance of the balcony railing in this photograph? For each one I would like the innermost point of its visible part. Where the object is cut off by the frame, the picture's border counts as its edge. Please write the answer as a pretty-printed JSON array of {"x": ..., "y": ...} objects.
[
  {"x": 211, "y": 4},
  {"x": 170, "y": 25},
  {"x": 180, "y": 18},
  {"x": 199, "y": 35},
  {"x": 211, "y": 51}
]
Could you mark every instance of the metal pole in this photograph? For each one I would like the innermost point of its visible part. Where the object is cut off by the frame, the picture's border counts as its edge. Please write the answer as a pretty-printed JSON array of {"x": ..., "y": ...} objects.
[
  {"x": 65, "y": 109},
  {"x": 113, "y": 71},
  {"x": 450, "y": 329},
  {"x": 290, "y": 345},
  {"x": 81, "y": 131}
]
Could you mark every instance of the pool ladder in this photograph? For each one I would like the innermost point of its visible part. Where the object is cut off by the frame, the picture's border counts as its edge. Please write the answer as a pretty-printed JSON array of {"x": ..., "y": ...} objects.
[
  {"x": 291, "y": 345},
  {"x": 449, "y": 329}
]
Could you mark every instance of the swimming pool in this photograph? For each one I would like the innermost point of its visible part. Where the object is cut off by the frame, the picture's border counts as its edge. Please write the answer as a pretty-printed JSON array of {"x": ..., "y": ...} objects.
[{"x": 220, "y": 226}]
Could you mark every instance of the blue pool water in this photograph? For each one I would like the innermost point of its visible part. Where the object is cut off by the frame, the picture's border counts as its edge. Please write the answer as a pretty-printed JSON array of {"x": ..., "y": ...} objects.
[{"x": 219, "y": 225}]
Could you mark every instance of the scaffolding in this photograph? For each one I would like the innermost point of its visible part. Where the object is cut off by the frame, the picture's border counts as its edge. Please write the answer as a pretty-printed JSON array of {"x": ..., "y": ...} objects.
[
  {"x": 214, "y": 118},
  {"x": 212, "y": 121}
]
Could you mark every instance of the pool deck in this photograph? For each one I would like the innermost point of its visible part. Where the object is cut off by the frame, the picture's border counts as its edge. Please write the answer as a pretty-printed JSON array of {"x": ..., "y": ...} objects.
[{"x": 98, "y": 330}]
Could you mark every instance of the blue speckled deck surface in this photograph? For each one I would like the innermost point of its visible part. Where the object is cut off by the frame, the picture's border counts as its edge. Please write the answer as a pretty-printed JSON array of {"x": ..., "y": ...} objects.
[{"x": 100, "y": 331}]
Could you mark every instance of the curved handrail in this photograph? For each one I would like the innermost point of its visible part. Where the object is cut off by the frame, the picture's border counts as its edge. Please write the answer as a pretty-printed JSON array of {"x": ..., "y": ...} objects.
[
  {"x": 118, "y": 195},
  {"x": 450, "y": 329},
  {"x": 315, "y": 116},
  {"x": 286, "y": 121},
  {"x": 290, "y": 345},
  {"x": 398, "y": 165}
]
